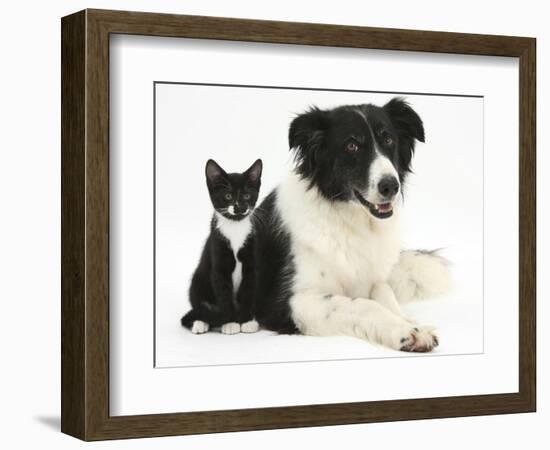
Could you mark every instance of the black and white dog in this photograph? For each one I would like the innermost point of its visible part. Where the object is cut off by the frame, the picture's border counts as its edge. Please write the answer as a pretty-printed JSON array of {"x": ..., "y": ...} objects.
[{"x": 329, "y": 260}]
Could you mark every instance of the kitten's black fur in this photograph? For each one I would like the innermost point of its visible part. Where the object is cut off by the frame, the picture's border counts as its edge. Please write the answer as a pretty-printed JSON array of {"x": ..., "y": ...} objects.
[{"x": 212, "y": 295}]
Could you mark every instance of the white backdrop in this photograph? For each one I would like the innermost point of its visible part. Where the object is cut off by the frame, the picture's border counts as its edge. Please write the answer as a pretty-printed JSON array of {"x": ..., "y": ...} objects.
[
  {"x": 31, "y": 203},
  {"x": 235, "y": 126},
  {"x": 137, "y": 387}
]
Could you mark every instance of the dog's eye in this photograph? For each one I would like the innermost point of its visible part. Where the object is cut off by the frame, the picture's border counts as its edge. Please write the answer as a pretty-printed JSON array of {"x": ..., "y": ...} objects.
[
  {"x": 388, "y": 140},
  {"x": 228, "y": 196},
  {"x": 246, "y": 196},
  {"x": 352, "y": 147}
]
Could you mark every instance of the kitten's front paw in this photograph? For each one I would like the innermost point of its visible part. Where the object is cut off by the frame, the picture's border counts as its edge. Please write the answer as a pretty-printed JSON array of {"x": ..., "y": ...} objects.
[
  {"x": 199, "y": 327},
  {"x": 250, "y": 327},
  {"x": 231, "y": 328}
]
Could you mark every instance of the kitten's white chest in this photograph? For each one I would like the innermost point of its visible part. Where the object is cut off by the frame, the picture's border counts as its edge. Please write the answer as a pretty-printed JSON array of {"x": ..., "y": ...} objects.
[{"x": 236, "y": 232}]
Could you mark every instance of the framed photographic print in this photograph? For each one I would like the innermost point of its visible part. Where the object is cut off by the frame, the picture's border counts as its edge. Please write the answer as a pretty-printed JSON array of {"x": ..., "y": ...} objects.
[{"x": 271, "y": 224}]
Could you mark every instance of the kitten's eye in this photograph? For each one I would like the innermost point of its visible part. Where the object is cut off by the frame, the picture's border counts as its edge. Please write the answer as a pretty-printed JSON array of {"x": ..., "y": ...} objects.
[
  {"x": 228, "y": 196},
  {"x": 352, "y": 147},
  {"x": 246, "y": 196},
  {"x": 388, "y": 140}
]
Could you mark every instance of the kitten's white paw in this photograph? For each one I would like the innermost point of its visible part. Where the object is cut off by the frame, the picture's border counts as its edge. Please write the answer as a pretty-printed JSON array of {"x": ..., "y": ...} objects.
[
  {"x": 231, "y": 328},
  {"x": 199, "y": 327},
  {"x": 250, "y": 327}
]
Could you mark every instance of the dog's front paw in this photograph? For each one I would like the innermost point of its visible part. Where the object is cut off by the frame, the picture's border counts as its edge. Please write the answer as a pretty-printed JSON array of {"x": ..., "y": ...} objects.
[
  {"x": 419, "y": 339},
  {"x": 231, "y": 328}
]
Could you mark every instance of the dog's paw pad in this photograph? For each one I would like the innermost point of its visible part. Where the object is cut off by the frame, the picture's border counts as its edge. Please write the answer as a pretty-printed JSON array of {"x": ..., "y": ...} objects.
[
  {"x": 419, "y": 339},
  {"x": 199, "y": 327},
  {"x": 250, "y": 327},
  {"x": 231, "y": 328}
]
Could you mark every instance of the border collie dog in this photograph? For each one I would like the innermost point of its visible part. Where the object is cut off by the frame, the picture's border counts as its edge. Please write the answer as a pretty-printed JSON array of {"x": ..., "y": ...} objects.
[{"x": 329, "y": 260}]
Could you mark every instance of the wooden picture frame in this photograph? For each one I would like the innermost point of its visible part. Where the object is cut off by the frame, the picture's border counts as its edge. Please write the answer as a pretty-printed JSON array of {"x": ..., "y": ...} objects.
[{"x": 85, "y": 224}]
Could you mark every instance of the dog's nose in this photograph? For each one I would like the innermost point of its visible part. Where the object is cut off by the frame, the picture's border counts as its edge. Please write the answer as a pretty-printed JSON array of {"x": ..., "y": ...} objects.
[{"x": 388, "y": 186}]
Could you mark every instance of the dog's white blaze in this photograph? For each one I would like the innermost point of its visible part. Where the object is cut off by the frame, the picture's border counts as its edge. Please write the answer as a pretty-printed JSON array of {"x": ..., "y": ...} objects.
[
  {"x": 343, "y": 258},
  {"x": 380, "y": 167},
  {"x": 362, "y": 115},
  {"x": 236, "y": 233}
]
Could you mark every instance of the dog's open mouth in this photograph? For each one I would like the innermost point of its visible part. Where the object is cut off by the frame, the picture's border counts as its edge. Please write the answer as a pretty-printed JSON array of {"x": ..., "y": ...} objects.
[{"x": 378, "y": 210}]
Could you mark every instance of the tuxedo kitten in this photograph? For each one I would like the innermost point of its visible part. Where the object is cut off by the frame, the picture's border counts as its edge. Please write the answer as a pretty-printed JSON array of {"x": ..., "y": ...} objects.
[{"x": 222, "y": 287}]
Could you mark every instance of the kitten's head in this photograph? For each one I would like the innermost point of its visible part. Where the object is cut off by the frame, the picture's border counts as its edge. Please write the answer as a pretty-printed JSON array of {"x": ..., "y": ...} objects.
[{"x": 233, "y": 195}]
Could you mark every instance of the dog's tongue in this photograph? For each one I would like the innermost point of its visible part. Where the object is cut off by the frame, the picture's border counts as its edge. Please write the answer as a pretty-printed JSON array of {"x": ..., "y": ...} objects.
[{"x": 384, "y": 207}]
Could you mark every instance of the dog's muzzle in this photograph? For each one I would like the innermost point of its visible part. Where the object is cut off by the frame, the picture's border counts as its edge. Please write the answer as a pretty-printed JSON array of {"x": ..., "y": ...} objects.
[{"x": 378, "y": 210}]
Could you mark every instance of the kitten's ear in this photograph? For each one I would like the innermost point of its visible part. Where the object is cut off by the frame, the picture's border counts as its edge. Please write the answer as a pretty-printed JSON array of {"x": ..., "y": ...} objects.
[
  {"x": 214, "y": 173},
  {"x": 254, "y": 172}
]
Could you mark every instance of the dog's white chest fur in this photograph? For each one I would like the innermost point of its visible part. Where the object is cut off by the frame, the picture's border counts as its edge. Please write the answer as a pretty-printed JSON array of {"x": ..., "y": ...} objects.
[
  {"x": 338, "y": 248},
  {"x": 236, "y": 232}
]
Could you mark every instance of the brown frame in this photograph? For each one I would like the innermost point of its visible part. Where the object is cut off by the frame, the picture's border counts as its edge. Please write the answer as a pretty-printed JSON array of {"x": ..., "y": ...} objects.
[{"x": 85, "y": 224}]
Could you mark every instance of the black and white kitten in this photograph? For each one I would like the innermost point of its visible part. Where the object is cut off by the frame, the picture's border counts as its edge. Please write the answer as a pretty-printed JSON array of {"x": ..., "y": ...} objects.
[{"x": 222, "y": 287}]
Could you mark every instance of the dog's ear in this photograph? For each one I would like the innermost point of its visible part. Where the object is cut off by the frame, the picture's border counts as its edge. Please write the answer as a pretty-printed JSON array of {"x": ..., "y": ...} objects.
[
  {"x": 306, "y": 136},
  {"x": 405, "y": 119},
  {"x": 254, "y": 173},
  {"x": 214, "y": 173},
  {"x": 408, "y": 126}
]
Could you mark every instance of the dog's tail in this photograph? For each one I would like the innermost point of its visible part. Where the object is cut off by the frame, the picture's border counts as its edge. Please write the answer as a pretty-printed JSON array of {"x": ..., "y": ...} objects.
[{"x": 420, "y": 274}]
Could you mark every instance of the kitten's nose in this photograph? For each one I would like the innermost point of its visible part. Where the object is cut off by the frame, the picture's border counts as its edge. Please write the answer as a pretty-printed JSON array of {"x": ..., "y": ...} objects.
[{"x": 240, "y": 209}]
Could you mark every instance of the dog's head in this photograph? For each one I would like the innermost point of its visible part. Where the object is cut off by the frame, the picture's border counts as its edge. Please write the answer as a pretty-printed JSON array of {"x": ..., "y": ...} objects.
[{"x": 357, "y": 153}]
